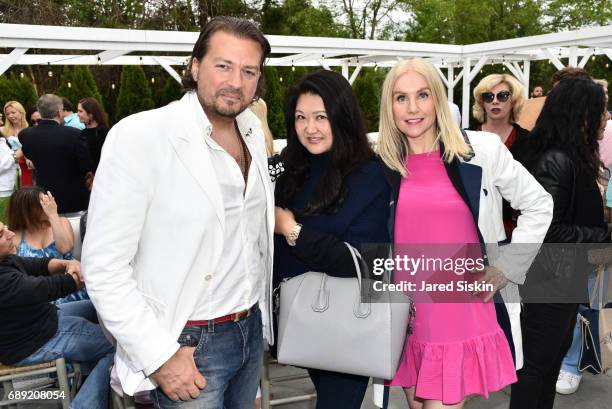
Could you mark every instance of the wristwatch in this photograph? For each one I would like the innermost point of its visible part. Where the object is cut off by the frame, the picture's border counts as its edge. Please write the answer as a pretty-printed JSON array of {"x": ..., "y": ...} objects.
[{"x": 294, "y": 234}]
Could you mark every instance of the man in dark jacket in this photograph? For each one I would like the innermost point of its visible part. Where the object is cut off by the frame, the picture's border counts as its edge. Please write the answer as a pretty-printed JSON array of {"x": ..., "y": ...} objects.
[
  {"x": 33, "y": 331},
  {"x": 60, "y": 157}
]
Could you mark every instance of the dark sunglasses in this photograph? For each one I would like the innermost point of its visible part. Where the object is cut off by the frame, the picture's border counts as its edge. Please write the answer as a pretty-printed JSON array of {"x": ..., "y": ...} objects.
[{"x": 502, "y": 96}]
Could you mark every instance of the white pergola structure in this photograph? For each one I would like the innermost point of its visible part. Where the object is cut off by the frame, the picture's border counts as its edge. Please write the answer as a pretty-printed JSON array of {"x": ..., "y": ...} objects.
[{"x": 168, "y": 49}]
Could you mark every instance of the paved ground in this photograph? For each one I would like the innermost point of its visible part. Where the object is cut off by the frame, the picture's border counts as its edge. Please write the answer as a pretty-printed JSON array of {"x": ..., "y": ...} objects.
[{"x": 595, "y": 393}]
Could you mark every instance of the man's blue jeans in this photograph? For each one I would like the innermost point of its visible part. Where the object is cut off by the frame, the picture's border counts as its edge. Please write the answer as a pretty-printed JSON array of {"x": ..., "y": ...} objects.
[
  {"x": 228, "y": 355},
  {"x": 81, "y": 340}
]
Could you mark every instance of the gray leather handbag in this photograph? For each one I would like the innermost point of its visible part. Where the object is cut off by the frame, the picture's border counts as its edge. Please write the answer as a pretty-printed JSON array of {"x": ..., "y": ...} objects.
[{"x": 324, "y": 324}]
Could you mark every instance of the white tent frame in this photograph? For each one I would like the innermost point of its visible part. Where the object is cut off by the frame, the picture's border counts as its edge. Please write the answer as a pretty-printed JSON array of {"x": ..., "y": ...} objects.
[{"x": 116, "y": 47}]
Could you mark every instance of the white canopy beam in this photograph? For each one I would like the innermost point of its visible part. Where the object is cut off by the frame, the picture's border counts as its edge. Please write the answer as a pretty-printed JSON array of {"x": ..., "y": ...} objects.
[
  {"x": 594, "y": 36},
  {"x": 168, "y": 68},
  {"x": 442, "y": 76},
  {"x": 526, "y": 73},
  {"x": 513, "y": 70},
  {"x": 10, "y": 59},
  {"x": 355, "y": 73},
  {"x": 585, "y": 58},
  {"x": 450, "y": 83},
  {"x": 323, "y": 64},
  {"x": 573, "y": 56},
  {"x": 553, "y": 58},
  {"x": 465, "y": 104},
  {"x": 458, "y": 77},
  {"x": 474, "y": 71},
  {"x": 109, "y": 55}
]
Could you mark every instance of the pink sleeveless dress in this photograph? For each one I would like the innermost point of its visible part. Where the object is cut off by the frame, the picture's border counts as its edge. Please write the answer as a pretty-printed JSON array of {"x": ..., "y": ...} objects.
[{"x": 456, "y": 349}]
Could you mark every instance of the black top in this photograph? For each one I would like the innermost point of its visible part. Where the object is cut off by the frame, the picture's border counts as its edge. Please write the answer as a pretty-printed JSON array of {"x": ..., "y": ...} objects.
[
  {"x": 578, "y": 205},
  {"x": 27, "y": 319},
  {"x": 61, "y": 160},
  {"x": 560, "y": 271},
  {"x": 361, "y": 219},
  {"x": 94, "y": 138}
]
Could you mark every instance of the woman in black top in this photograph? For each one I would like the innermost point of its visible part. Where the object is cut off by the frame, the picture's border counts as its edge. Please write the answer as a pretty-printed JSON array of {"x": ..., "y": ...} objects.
[
  {"x": 333, "y": 191},
  {"x": 92, "y": 114},
  {"x": 564, "y": 158}
]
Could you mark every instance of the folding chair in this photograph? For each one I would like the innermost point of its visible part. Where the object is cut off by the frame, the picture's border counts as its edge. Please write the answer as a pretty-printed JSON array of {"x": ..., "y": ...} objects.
[{"x": 65, "y": 394}]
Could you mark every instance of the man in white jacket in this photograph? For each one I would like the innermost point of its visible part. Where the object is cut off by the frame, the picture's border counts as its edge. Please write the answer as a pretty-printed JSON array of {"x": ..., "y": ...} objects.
[{"x": 178, "y": 252}]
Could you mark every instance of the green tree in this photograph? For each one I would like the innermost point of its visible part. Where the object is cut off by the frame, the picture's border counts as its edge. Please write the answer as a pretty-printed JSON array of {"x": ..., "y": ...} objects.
[
  {"x": 574, "y": 14},
  {"x": 470, "y": 21},
  {"x": 171, "y": 91},
  {"x": 134, "y": 93},
  {"x": 298, "y": 17},
  {"x": 367, "y": 88},
  {"x": 17, "y": 89},
  {"x": 274, "y": 101},
  {"x": 77, "y": 83},
  {"x": 366, "y": 20}
]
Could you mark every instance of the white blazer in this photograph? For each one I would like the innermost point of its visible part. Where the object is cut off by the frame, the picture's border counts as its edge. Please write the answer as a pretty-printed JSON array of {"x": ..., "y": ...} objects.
[
  {"x": 155, "y": 230},
  {"x": 504, "y": 177}
]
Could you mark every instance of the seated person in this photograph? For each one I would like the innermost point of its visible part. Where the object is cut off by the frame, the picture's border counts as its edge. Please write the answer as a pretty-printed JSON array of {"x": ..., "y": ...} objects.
[
  {"x": 40, "y": 231},
  {"x": 33, "y": 331}
]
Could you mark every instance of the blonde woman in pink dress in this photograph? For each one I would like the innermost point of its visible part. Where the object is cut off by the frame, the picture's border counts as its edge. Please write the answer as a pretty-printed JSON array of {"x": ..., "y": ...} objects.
[{"x": 448, "y": 188}]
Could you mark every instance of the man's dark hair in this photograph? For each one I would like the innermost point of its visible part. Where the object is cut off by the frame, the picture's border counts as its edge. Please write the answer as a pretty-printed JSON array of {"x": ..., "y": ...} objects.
[
  {"x": 238, "y": 27},
  {"x": 570, "y": 72},
  {"x": 67, "y": 104}
]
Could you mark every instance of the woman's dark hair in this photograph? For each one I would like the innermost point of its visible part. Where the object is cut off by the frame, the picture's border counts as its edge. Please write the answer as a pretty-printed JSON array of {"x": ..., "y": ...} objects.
[
  {"x": 571, "y": 121},
  {"x": 238, "y": 27},
  {"x": 24, "y": 211},
  {"x": 29, "y": 114},
  {"x": 350, "y": 147},
  {"x": 93, "y": 107}
]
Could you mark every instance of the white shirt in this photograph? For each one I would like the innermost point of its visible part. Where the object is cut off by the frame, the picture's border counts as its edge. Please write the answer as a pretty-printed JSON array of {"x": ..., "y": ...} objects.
[
  {"x": 455, "y": 112},
  {"x": 235, "y": 283},
  {"x": 8, "y": 170}
]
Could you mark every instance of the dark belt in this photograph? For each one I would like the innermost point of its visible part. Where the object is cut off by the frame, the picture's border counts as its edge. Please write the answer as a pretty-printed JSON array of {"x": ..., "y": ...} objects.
[{"x": 235, "y": 317}]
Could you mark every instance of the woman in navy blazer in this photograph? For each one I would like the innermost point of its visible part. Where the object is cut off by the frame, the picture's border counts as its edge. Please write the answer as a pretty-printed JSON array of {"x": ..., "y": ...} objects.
[{"x": 333, "y": 191}]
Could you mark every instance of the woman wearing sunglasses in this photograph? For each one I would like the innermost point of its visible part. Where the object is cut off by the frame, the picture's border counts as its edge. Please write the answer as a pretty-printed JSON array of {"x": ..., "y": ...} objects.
[{"x": 499, "y": 100}]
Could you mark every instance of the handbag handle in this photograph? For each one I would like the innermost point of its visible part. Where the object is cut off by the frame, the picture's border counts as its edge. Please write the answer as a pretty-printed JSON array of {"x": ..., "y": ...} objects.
[
  {"x": 321, "y": 302},
  {"x": 598, "y": 288},
  {"x": 360, "y": 310}
]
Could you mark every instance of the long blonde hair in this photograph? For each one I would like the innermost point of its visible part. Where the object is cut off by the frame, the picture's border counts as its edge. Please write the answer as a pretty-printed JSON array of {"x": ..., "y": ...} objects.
[
  {"x": 260, "y": 109},
  {"x": 8, "y": 129},
  {"x": 392, "y": 143}
]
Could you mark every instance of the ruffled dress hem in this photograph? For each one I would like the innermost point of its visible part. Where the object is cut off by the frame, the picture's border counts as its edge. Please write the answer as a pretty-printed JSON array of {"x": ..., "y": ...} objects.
[{"x": 451, "y": 371}]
